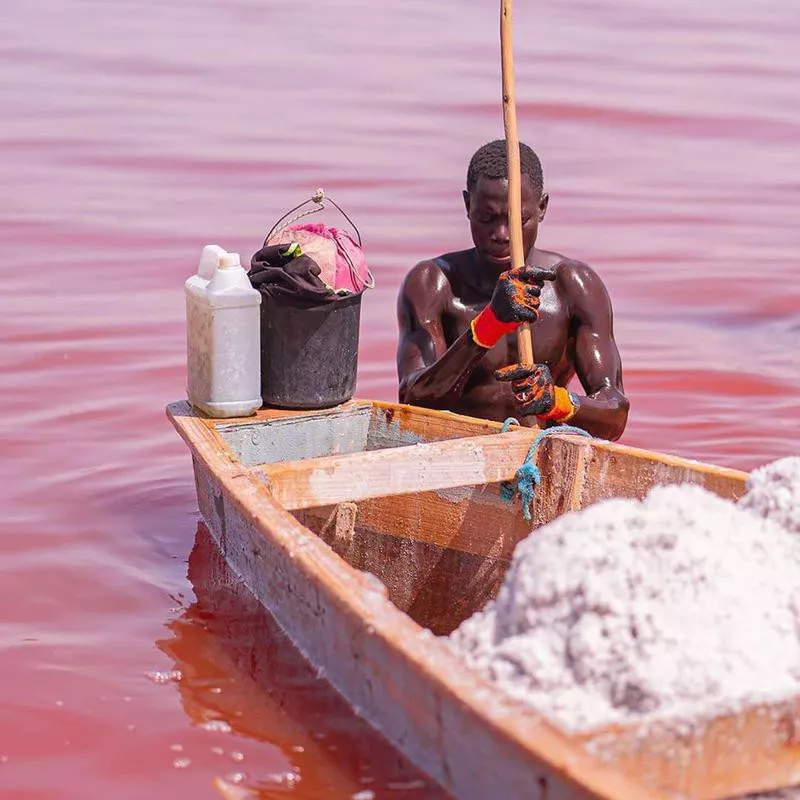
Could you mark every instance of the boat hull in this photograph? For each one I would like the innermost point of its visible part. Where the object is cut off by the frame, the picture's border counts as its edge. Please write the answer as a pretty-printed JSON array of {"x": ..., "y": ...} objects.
[{"x": 472, "y": 739}]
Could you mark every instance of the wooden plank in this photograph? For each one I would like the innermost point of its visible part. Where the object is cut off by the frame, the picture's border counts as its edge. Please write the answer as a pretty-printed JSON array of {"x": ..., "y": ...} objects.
[
  {"x": 756, "y": 749},
  {"x": 394, "y": 423},
  {"x": 400, "y": 540},
  {"x": 616, "y": 470},
  {"x": 422, "y": 467},
  {"x": 467, "y": 519}
]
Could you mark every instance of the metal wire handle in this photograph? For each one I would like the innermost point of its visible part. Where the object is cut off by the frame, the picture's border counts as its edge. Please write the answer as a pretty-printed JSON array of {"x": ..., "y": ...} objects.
[{"x": 319, "y": 199}]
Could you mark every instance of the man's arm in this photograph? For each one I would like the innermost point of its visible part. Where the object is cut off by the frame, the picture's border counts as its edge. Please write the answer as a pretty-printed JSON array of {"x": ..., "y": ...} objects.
[
  {"x": 604, "y": 410},
  {"x": 431, "y": 373}
]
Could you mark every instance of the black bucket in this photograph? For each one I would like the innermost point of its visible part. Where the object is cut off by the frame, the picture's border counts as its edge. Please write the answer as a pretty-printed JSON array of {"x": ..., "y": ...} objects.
[{"x": 309, "y": 356}]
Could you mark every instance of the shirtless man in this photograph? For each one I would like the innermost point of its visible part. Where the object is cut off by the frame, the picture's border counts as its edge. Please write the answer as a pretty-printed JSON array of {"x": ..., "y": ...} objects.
[{"x": 458, "y": 315}]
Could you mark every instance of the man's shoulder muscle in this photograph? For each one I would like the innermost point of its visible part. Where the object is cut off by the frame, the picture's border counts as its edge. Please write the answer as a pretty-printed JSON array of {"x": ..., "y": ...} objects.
[
  {"x": 580, "y": 285},
  {"x": 425, "y": 290},
  {"x": 427, "y": 283}
]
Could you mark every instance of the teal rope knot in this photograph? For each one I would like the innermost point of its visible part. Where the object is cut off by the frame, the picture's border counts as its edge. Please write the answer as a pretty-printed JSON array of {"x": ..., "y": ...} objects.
[{"x": 528, "y": 476}]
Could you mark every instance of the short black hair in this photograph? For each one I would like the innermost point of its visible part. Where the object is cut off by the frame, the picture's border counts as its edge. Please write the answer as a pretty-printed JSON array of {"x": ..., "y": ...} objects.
[{"x": 491, "y": 161}]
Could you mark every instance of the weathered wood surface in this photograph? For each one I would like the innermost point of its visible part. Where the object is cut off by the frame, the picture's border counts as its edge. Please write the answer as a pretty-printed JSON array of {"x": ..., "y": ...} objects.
[
  {"x": 437, "y": 585},
  {"x": 467, "y": 735},
  {"x": 398, "y": 471},
  {"x": 754, "y": 750},
  {"x": 427, "y": 425},
  {"x": 432, "y": 540},
  {"x": 579, "y": 471}
]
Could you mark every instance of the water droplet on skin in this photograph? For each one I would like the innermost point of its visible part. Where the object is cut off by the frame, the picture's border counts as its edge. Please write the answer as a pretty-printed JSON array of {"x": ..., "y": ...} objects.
[
  {"x": 235, "y": 777},
  {"x": 237, "y": 756},
  {"x": 176, "y": 748},
  {"x": 218, "y": 751},
  {"x": 298, "y": 748},
  {"x": 181, "y": 763}
]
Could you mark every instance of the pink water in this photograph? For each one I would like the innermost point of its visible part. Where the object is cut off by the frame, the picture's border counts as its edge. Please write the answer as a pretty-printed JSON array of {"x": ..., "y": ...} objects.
[{"x": 134, "y": 133}]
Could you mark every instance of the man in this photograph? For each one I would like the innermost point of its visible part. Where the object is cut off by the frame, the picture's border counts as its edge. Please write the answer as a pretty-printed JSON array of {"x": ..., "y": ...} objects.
[{"x": 458, "y": 315}]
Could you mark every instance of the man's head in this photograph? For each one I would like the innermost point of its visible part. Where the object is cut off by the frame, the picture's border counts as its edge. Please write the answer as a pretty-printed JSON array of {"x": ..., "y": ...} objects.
[{"x": 486, "y": 201}]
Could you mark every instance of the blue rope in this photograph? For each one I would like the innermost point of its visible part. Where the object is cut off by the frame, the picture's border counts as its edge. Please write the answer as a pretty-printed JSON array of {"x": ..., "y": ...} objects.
[{"x": 528, "y": 476}]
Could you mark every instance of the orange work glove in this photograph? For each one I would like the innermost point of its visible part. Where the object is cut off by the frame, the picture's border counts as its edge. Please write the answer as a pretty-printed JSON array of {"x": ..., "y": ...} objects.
[
  {"x": 515, "y": 300},
  {"x": 536, "y": 394}
]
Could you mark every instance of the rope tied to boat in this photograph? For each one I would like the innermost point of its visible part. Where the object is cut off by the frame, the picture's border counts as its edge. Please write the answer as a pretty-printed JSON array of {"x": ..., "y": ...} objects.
[{"x": 528, "y": 476}]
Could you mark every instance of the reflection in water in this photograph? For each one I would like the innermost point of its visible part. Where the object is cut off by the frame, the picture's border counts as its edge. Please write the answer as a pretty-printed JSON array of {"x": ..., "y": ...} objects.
[{"x": 240, "y": 669}]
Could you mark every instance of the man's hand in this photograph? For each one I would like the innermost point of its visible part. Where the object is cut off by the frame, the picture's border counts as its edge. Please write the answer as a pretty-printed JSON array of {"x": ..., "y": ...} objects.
[
  {"x": 536, "y": 394},
  {"x": 516, "y": 295},
  {"x": 515, "y": 300}
]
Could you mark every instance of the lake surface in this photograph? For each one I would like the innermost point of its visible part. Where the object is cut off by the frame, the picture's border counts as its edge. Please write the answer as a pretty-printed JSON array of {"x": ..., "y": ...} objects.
[{"x": 134, "y": 133}]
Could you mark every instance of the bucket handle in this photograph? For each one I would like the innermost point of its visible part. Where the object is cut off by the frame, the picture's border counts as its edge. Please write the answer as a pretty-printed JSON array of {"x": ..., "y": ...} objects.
[{"x": 319, "y": 199}]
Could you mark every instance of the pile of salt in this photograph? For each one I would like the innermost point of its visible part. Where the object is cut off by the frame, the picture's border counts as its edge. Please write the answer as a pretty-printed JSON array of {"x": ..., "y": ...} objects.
[
  {"x": 682, "y": 603},
  {"x": 773, "y": 492}
]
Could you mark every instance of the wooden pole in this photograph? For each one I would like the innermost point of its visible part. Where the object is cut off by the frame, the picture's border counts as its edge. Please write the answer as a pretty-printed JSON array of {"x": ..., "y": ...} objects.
[{"x": 524, "y": 338}]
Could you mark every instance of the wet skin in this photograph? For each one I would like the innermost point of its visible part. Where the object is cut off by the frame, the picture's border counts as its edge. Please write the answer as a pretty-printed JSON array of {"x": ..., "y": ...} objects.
[{"x": 440, "y": 366}]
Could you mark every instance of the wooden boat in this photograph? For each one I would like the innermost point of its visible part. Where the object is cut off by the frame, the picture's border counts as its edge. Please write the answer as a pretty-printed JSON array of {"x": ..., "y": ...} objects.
[{"x": 370, "y": 529}]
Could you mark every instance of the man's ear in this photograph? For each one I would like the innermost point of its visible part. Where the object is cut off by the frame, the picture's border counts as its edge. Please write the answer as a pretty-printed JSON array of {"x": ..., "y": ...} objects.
[
  {"x": 465, "y": 195},
  {"x": 544, "y": 201}
]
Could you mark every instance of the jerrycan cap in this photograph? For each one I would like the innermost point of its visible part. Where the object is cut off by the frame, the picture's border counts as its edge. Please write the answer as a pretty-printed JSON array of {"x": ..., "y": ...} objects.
[{"x": 229, "y": 261}]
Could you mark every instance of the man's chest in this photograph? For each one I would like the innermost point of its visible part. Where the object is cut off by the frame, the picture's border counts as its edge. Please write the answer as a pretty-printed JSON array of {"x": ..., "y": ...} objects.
[{"x": 551, "y": 331}]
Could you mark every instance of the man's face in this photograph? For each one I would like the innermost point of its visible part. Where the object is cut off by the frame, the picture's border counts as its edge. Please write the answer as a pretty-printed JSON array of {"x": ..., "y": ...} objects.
[{"x": 487, "y": 210}]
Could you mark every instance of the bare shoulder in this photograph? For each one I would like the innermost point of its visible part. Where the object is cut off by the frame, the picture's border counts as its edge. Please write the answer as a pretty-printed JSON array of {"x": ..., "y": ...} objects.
[
  {"x": 427, "y": 284},
  {"x": 578, "y": 283},
  {"x": 579, "y": 276},
  {"x": 425, "y": 292},
  {"x": 426, "y": 275}
]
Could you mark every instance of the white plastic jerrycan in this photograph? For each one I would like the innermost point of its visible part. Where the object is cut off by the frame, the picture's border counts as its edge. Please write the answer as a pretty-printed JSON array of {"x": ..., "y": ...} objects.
[{"x": 223, "y": 337}]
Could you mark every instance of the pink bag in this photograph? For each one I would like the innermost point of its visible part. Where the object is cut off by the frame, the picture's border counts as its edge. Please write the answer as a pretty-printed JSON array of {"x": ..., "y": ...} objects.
[{"x": 339, "y": 256}]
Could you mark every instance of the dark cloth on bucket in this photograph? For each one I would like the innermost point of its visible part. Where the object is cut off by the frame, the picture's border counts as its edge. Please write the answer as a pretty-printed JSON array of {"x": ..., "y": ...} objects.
[{"x": 291, "y": 280}]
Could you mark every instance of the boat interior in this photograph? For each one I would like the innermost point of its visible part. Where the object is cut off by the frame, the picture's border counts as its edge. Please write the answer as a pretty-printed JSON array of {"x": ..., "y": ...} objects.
[
  {"x": 421, "y": 499},
  {"x": 428, "y": 503}
]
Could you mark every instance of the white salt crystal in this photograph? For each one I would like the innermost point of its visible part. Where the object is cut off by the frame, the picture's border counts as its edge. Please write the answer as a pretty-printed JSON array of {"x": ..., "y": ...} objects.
[
  {"x": 217, "y": 725},
  {"x": 172, "y": 676},
  {"x": 773, "y": 492},
  {"x": 632, "y": 610}
]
